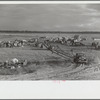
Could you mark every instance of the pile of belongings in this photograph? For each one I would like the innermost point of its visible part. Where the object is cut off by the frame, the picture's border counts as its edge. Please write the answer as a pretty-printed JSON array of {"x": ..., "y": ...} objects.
[{"x": 13, "y": 63}]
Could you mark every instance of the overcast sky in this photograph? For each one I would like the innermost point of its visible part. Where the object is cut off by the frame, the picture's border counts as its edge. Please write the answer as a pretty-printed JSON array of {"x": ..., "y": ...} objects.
[{"x": 51, "y": 17}]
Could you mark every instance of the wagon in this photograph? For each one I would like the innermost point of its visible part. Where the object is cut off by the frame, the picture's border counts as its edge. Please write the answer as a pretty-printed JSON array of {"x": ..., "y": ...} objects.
[{"x": 80, "y": 58}]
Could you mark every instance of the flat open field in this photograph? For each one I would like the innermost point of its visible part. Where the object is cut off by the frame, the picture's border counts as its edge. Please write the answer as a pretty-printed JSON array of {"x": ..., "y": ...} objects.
[{"x": 49, "y": 66}]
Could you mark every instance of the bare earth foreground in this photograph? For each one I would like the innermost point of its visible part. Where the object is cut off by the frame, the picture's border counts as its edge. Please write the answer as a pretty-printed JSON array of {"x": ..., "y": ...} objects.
[{"x": 50, "y": 66}]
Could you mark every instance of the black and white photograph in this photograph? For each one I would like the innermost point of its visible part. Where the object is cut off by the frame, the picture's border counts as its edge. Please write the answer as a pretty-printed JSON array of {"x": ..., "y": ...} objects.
[{"x": 50, "y": 41}]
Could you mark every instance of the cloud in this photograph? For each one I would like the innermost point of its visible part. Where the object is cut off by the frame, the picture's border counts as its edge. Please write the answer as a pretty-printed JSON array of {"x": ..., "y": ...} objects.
[
  {"x": 64, "y": 17},
  {"x": 92, "y": 15}
]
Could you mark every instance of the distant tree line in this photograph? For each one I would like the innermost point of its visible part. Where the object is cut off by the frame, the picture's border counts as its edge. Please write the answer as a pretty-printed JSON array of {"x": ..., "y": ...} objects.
[{"x": 64, "y": 32}]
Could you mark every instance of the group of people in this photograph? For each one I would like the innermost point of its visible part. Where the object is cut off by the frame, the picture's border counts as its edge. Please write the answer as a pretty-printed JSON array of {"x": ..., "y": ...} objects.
[
  {"x": 36, "y": 42},
  {"x": 67, "y": 40},
  {"x": 13, "y": 63},
  {"x": 61, "y": 40}
]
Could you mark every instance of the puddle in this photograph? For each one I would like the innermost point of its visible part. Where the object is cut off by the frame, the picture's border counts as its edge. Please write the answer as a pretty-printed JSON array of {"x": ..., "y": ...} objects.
[
  {"x": 51, "y": 62},
  {"x": 56, "y": 63}
]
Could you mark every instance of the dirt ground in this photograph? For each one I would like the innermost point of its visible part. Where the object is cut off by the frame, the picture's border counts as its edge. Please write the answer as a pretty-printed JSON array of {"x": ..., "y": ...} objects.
[{"x": 50, "y": 66}]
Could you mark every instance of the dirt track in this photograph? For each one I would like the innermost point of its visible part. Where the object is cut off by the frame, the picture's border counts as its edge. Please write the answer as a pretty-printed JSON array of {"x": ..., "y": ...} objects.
[{"x": 63, "y": 73}]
